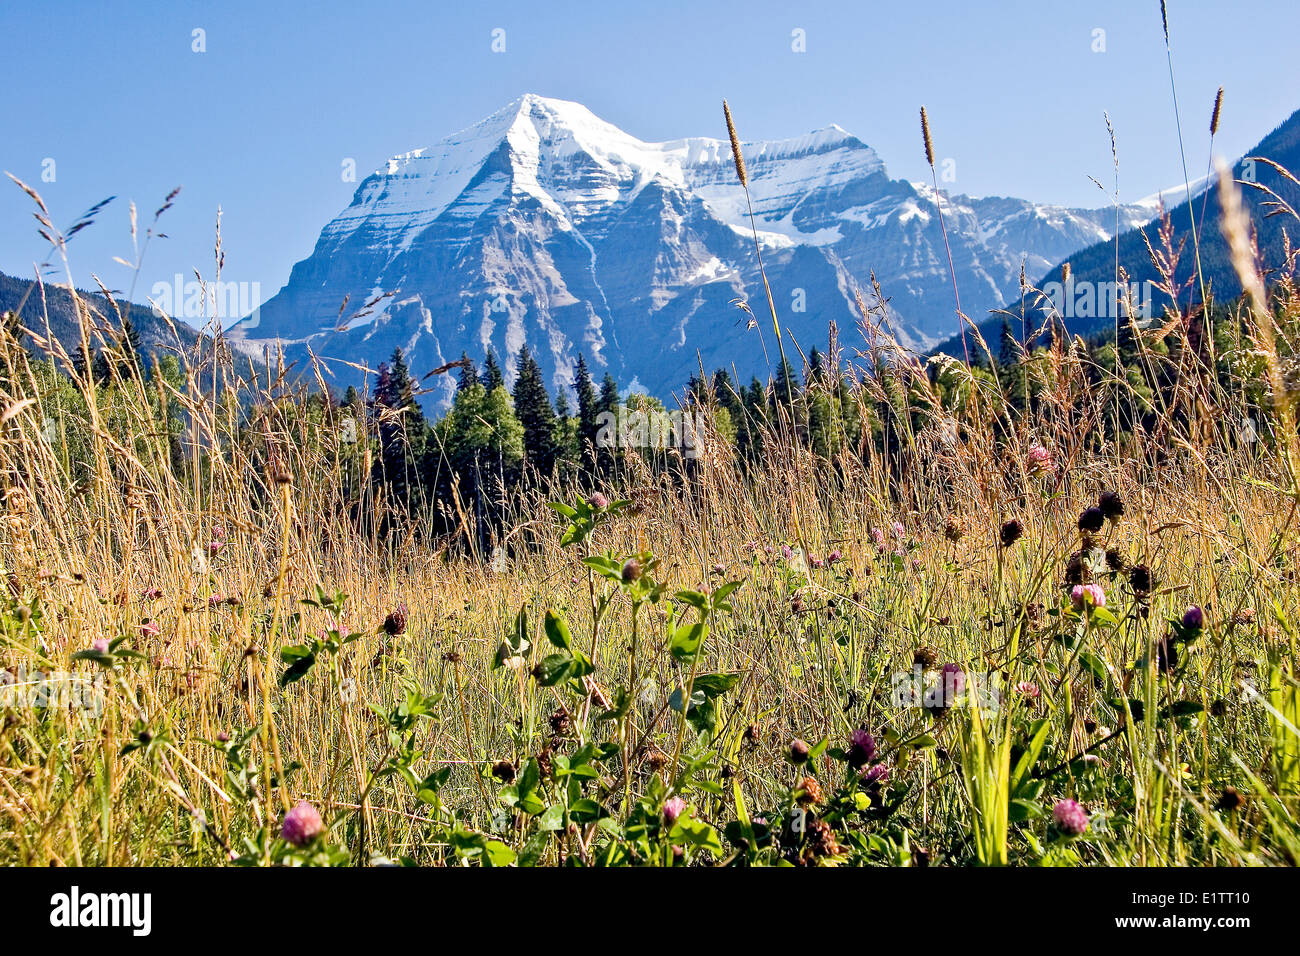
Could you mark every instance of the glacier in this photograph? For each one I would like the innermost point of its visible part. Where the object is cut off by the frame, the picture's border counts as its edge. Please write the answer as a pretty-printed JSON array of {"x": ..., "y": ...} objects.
[{"x": 543, "y": 224}]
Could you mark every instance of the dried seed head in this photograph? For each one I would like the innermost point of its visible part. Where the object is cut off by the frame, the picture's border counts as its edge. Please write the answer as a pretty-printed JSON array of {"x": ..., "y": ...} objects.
[
  {"x": 631, "y": 570},
  {"x": 1111, "y": 505},
  {"x": 925, "y": 134},
  {"x": 809, "y": 790},
  {"x": 927, "y": 658},
  {"x": 1091, "y": 521},
  {"x": 560, "y": 722},
  {"x": 820, "y": 841},
  {"x": 395, "y": 623},
  {"x": 799, "y": 750},
  {"x": 1214, "y": 117},
  {"x": 1011, "y": 532},
  {"x": 736, "y": 154},
  {"x": 1139, "y": 579}
]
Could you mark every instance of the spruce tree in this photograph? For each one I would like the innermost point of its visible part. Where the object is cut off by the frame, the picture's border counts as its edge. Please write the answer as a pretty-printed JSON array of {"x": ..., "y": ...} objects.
[
  {"x": 468, "y": 373},
  {"x": 756, "y": 419},
  {"x": 565, "y": 436},
  {"x": 535, "y": 414},
  {"x": 1010, "y": 372},
  {"x": 607, "y": 414},
  {"x": 402, "y": 429},
  {"x": 491, "y": 378},
  {"x": 587, "y": 411}
]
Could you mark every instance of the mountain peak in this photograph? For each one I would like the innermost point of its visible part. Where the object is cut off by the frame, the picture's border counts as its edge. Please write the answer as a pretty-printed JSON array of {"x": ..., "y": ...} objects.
[{"x": 543, "y": 224}]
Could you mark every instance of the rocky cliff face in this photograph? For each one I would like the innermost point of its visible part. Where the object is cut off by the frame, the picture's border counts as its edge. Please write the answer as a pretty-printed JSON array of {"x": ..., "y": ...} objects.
[{"x": 544, "y": 225}]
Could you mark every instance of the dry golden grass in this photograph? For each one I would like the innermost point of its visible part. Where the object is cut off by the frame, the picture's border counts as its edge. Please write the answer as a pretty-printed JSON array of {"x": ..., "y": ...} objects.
[{"x": 201, "y": 565}]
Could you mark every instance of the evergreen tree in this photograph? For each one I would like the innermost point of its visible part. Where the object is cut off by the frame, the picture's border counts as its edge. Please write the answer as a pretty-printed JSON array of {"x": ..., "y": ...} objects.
[
  {"x": 535, "y": 414},
  {"x": 785, "y": 405},
  {"x": 1010, "y": 371},
  {"x": 491, "y": 379},
  {"x": 607, "y": 412},
  {"x": 123, "y": 359},
  {"x": 402, "y": 429},
  {"x": 131, "y": 341},
  {"x": 587, "y": 411},
  {"x": 565, "y": 437},
  {"x": 468, "y": 374},
  {"x": 816, "y": 373},
  {"x": 478, "y": 451},
  {"x": 755, "y": 418}
]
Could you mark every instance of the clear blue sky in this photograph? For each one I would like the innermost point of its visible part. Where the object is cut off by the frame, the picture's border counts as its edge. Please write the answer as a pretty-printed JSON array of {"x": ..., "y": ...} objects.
[{"x": 261, "y": 122}]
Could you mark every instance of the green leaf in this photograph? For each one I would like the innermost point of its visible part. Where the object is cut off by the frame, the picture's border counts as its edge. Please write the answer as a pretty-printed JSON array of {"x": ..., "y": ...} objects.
[
  {"x": 687, "y": 639},
  {"x": 496, "y": 853},
  {"x": 300, "y": 660},
  {"x": 527, "y": 788},
  {"x": 703, "y": 717},
  {"x": 719, "y": 597},
  {"x": 605, "y": 566},
  {"x": 694, "y": 598},
  {"x": 552, "y": 818},
  {"x": 533, "y": 849},
  {"x": 714, "y": 685},
  {"x": 586, "y": 810},
  {"x": 557, "y": 630},
  {"x": 553, "y": 669},
  {"x": 99, "y": 657},
  {"x": 577, "y": 532},
  {"x": 516, "y": 642},
  {"x": 1136, "y": 707},
  {"x": 582, "y": 666},
  {"x": 696, "y": 833},
  {"x": 675, "y": 701},
  {"x": 1101, "y": 616},
  {"x": 1038, "y": 732},
  {"x": 1020, "y": 810},
  {"x": 1092, "y": 663}
]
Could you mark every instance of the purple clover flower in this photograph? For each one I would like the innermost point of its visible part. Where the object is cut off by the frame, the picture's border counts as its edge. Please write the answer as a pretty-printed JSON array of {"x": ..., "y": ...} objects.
[
  {"x": 302, "y": 824},
  {"x": 1071, "y": 819}
]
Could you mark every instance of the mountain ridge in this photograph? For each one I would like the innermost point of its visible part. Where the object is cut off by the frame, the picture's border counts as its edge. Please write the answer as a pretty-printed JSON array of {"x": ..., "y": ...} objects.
[
  {"x": 1093, "y": 266},
  {"x": 544, "y": 224}
]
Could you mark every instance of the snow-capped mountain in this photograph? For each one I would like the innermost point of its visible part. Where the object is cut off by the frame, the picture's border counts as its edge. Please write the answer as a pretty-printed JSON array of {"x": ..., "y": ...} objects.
[{"x": 545, "y": 225}]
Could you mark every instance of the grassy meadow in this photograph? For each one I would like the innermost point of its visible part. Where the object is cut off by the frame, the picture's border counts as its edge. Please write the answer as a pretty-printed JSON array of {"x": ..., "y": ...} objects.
[{"x": 1039, "y": 618}]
